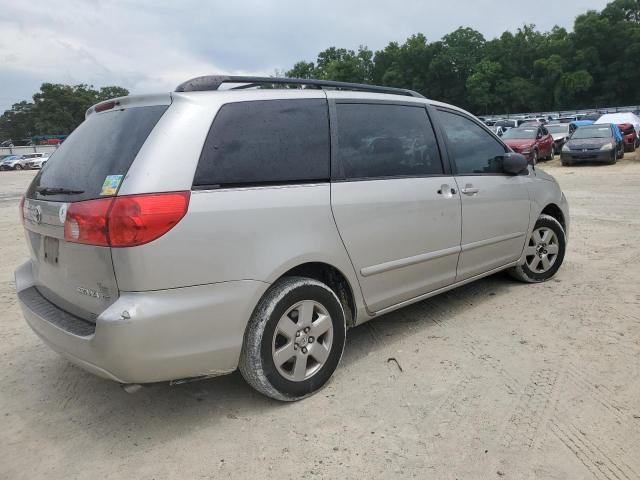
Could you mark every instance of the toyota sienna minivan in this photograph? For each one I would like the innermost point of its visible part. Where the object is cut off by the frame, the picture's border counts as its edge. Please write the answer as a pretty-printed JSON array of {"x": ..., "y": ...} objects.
[{"x": 189, "y": 234}]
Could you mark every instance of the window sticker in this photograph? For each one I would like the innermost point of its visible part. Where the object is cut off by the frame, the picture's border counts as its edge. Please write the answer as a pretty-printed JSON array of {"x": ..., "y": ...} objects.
[{"x": 111, "y": 184}]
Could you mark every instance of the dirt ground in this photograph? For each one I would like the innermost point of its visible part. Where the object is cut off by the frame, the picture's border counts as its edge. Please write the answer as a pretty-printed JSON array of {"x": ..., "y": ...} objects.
[{"x": 498, "y": 380}]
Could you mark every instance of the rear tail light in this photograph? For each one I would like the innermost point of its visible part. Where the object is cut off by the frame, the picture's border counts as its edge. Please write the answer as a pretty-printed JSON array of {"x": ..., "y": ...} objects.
[{"x": 125, "y": 221}]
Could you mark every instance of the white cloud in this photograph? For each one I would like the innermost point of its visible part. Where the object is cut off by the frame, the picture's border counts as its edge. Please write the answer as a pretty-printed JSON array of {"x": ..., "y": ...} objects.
[{"x": 155, "y": 45}]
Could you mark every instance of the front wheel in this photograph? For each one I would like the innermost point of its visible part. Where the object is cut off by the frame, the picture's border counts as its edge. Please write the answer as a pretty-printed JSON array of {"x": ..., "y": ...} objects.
[
  {"x": 534, "y": 157},
  {"x": 294, "y": 339},
  {"x": 18, "y": 167},
  {"x": 544, "y": 252}
]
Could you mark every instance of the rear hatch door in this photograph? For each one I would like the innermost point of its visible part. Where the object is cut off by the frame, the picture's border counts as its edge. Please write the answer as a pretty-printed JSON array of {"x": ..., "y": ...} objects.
[{"x": 90, "y": 164}]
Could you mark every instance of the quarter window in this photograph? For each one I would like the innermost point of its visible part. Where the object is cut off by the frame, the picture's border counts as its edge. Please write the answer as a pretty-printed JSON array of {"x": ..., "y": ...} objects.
[
  {"x": 378, "y": 140},
  {"x": 266, "y": 142},
  {"x": 474, "y": 150}
]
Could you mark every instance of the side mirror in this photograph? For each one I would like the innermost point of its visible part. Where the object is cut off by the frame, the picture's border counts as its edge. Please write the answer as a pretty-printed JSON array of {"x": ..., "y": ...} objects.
[{"x": 514, "y": 163}]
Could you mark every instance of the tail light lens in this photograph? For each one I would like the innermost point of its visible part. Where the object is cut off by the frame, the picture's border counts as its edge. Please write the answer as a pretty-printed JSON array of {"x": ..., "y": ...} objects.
[{"x": 125, "y": 221}]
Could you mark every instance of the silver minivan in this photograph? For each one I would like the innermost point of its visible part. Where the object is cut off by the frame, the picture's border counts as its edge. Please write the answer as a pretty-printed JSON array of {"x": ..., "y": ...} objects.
[{"x": 193, "y": 233}]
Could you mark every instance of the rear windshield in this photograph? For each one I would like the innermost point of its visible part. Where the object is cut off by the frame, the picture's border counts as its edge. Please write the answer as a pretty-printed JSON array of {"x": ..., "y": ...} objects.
[
  {"x": 592, "y": 132},
  {"x": 527, "y": 133},
  {"x": 92, "y": 162}
]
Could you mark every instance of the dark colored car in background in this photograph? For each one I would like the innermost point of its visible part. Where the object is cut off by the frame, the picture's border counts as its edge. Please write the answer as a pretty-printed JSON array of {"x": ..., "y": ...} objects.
[
  {"x": 630, "y": 137},
  {"x": 533, "y": 142},
  {"x": 597, "y": 143}
]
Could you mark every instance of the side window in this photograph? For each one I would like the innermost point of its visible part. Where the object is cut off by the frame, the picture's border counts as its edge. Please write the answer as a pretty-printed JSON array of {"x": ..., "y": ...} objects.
[
  {"x": 473, "y": 149},
  {"x": 378, "y": 140},
  {"x": 267, "y": 141}
]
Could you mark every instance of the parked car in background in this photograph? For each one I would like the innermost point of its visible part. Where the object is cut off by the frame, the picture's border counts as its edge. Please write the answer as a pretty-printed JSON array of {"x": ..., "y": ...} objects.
[
  {"x": 541, "y": 120},
  {"x": 531, "y": 123},
  {"x": 14, "y": 162},
  {"x": 630, "y": 137},
  {"x": 535, "y": 143},
  {"x": 140, "y": 272},
  {"x": 25, "y": 142},
  {"x": 568, "y": 119},
  {"x": 581, "y": 123},
  {"x": 621, "y": 117},
  {"x": 591, "y": 116},
  {"x": 37, "y": 161},
  {"x": 498, "y": 130},
  {"x": 560, "y": 132},
  {"x": 506, "y": 123},
  {"x": 596, "y": 143}
]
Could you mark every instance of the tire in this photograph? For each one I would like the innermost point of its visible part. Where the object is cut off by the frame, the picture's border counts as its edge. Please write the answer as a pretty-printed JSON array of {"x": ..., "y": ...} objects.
[
  {"x": 550, "y": 156},
  {"x": 534, "y": 158},
  {"x": 18, "y": 167},
  {"x": 533, "y": 272},
  {"x": 273, "y": 327}
]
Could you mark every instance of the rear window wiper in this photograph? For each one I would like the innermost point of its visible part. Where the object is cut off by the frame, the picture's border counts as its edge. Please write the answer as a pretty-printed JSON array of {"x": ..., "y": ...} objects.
[{"x": 57, "y": 191}]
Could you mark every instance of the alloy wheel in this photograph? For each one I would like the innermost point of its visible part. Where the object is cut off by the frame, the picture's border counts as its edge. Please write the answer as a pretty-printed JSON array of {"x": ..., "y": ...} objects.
[
  {"x": 302, "y": 340},
  {"x": 542, "y": 250}
]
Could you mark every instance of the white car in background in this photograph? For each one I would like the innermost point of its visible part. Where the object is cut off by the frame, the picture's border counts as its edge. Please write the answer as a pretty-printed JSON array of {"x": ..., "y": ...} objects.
[{"x": 36, "y": 160}]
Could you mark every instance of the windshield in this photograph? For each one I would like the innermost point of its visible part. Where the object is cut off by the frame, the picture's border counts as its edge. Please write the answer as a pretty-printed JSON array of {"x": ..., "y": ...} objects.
[
  {"x": 558, "y": 128},
  {"x": 528, "y": 133},
  {"x": 92, "y": 162},
  {"x": 591, "y": 132}
]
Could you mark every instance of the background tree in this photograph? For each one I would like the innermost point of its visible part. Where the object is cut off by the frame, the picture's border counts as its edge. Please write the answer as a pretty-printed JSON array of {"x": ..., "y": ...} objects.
[
  {"x": 595, "y": 65},
  {"x": 56, "y": 110}
]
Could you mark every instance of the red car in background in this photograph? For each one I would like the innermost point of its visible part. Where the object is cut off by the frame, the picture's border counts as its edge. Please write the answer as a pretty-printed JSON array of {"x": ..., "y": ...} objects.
[
  {"x": 533, "y": 142},
  {"x": 630, "y": 137}
]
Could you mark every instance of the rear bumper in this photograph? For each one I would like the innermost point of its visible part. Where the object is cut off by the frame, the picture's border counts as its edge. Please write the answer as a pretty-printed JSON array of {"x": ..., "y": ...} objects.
[
  {"x": 590, "y": 156},
  {"x": 168, "y": 335}
]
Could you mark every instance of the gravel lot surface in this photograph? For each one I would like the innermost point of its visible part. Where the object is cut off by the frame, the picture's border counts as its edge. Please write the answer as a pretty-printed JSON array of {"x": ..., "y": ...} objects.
[{"x": 498, "y": 380}]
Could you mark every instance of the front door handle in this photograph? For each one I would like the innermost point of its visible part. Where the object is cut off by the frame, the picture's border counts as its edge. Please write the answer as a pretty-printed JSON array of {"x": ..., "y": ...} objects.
[{"x": 470, "y": 189}]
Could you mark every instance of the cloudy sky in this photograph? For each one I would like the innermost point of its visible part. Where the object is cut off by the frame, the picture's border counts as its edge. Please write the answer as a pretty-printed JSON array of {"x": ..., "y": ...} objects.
[{"x": 150, "y": 45}]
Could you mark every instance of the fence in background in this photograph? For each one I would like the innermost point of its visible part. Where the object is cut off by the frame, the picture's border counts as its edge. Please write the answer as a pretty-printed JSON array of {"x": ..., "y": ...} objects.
[{"x": 30, "y": 149}]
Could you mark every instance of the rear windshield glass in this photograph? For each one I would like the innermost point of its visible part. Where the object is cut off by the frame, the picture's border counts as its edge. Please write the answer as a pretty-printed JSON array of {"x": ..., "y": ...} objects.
[
  {"x": 92, "y": 162},
  {"x": 592, "y": 132},
  {"x": 527, "y": 133}
]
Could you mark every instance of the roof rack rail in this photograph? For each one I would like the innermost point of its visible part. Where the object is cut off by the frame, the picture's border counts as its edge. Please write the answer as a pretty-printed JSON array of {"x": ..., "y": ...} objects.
[{"x": 213, "y": 82}]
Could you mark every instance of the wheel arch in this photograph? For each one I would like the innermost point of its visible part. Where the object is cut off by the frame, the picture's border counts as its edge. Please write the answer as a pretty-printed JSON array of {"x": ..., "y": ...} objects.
[
  {"x": 555, "y": 211},
  {"x": 334, "y": 279}
]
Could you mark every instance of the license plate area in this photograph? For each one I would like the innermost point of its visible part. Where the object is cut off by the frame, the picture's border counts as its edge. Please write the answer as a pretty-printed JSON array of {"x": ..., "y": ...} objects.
[{"x": 51, "y": 250}]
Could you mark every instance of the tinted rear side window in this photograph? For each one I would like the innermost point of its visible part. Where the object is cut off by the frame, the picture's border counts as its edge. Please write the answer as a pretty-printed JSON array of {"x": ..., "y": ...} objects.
[
  {"x": 104, "y": 145},
  {"x": 377, "y": 140},
  {"x": 266, "y": 142}
]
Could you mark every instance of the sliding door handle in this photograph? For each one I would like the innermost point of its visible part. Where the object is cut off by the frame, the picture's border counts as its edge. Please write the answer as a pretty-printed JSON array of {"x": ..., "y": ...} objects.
[{"x": 470, "y": 190}]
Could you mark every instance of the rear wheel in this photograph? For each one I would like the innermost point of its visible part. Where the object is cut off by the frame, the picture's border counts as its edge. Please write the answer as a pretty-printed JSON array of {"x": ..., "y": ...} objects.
[
  {"x": 18, "y": 167},
  {"x": 294, "y": 340},
  {"x": 544, "y": 252}
]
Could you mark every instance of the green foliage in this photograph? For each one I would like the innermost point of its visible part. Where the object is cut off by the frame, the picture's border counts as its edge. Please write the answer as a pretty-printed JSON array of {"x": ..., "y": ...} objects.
[
  {"x": 597, "y": 64},
  {"x": 56, "y": 110}
]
